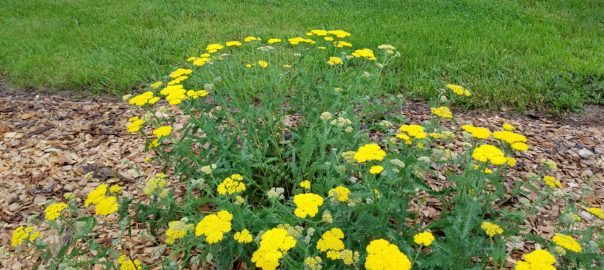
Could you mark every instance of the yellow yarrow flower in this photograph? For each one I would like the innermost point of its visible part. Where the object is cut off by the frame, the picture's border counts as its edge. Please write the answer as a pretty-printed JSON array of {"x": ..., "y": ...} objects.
[
  {"x": 342, "y": 44},
  {"x": 596, "y": 212},
  {"x": 176, "y": 230},
  {"x": 538, "y": 259},
  {"x": 305, "y": 184},
  {"x": 274, "y": 244},
  {"x": 567, "y": 242},
  {"x": 115, "y": 188},
  {"x": 459, "y": 90},
  {"x": 134, "y": 124},
  {"x": 273, "y": 40},
  {"x": 377, "y": 169},
  {"x": 442, "y": 111},
  {"x": 251, "y": 38},
  {"x": 298, "y": 40},
  {"x": 412, "y": 131},
  {"x": 127, "y": 264},
  {"x": 156, "y": 85},
  {"x": 364, "y": 53},
  {"x": 509, "y": 137},
  {"x": 243, "y": 236},
  {"x": 263, "y": 64},
  {"x": 230, "y": 185},
  {"x": 552, "y": 181},
  {"x": 107, "y": 206},
  {"x": 54, "y": 210},
  {"x": 369, "y": 152},
  {"x": 340, "y": 193},
  {"x": 339, "y": 33},
  {"x": 96, "y": 195},
  {"x": 519, "y": 146},
  {"x": 491, "y": 229},
  {"x": 333, "y": 60},
  {"x": 313, "y": 263},
  {"x": 349, "y": 257},
  {"x": 22, "y": 235},
  {"x": 141, "y": 99},
  {"x": 180, "y": 72},
  {"x": 489, "y": 153},
  {"x": 307, "y": 204},
  {"x": 155, "y": 184},
  {"x": 331, "y": 243},
  {"x": 214, "y": 226},
  {"x": 233, "y": 43},
  {"x": 162, "y": 131},
  {"x": 477, "y": 132},
  {"x": 508, "y": 127},
  {"x": 382, "y": 255},
  {"x": 423, "y": 238},
  {"x": 212, "y": 48}
]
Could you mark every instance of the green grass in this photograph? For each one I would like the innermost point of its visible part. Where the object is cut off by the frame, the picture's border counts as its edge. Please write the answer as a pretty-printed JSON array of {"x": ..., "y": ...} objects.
[{"x": 516, "y": 54}]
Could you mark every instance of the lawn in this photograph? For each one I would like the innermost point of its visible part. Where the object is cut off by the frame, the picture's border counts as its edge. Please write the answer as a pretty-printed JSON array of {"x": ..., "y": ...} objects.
[{"x": 513, "y": 54}]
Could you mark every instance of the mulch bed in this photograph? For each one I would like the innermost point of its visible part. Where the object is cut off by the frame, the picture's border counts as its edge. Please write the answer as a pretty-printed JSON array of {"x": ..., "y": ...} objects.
[{"x": 48, "y": 142}]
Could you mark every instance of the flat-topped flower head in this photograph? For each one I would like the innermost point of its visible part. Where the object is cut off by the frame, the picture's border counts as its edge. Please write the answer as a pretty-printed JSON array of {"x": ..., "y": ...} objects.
[
  {"x": 413, "y": 131},
  {"x": 567, "y": 242},
  {"x": 442, "y": 111},
  {"x": 477, "y": 132},
  {"x": 382, "y": 255},
  {"x": 334, "y": 60},
  {"x": 96, "y": 195},
  {"x": 364, "y": 53},
  {"x": 491, "y": 229},
  {"x": 54, "y": 210},
  {"x": 509, "y": 137},
  {"x": 596, "y": 212},
  {"x": 231, "y": 185},
  {"x": 212, "y": 48},
  {"x": 107, "y": 206},
  {"x": 423, "y": 238},
  {"x": 307, "y": 204},
  {"x": 340, "y": 193},
  {"x": 369, "y": 152},
  {"x": 243, "y": 236},
  {"x": 274, "y": 244},
  {"x": 23, "y": 235},
  {"x": 305, "y": 184},
  {"x": 176, "y": 230},
  {"x": 489, "y": 153},
  {"x": 459, "y": 90},
  {"x": 331, "y": 243},
  {"x": 180, "y": 72},
  {"x": 214, "y": 226},
  {"x": 552, "y": 181},
  {"x": 233, "y": 43},
  {"x": 128, "y": 264},
  {"x": 538, "y": 259},
  {"x": 376, "y": 169},
  {"x": 163, "y": 131}
]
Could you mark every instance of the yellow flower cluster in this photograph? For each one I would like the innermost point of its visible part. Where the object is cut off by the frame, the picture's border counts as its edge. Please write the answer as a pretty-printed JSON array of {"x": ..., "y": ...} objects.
[
  {"x": 334, "y": 60},
  {"x": 382, "y": 255},
  {"x": 459, "y": 90},
  {"x": 369, "y": 152},
  {"x": 305, "y": 184},
  {"x": 537, "y": 259},
  {"x": 176, "y": 230},
  {"x": 491, "y": 229},
  {"x": 134, "y": 124},
  {"x": 298, "y": 40},
  {"x": 423, "y": 238},
  {"x": 408, "y": 132},
  {"x": 107, "y": 206},
  {"x": 251, "y": 38},
  {"x": 212, "y": 48},
  {"x": 364, "y": 53},
  {"x": 509, "y": 137},
  {"x": 273, "y": 40},
  {"x": 349, "y": 257},
  {"x": 155, "y": 184},
  {"x": 23, "y": 234},
  {"x": 596, "y": 212},
  {"x": 274, "y": 244},
  {"x": 508, "y": 127},
  {"x": 54, "y": 210},
  {"x": 313, "y": 263},
  {"x": 214, "y": 226},
  {"x": 156, "y": 85},
  {"x": 552, "y": 181},
  {"x": 175, "y": 94},
  {"x": 96, "y": 195},
  {"x": 243, "y": 236},
  {"x": 196, "y": 94},
  {"x": 180, "y": 72},
  {"x": 197, "y": 61},
  {"x": 477, "y": 132},
  {"x": 489, "y": 153},
  {"x": 322, "y": 33},
  {"x": 128, "y": 264},
  {"x": 342, "y": 44},
  {"x": 331, "y": 243},
  {"x": 263, "y": 64},
  {"x": 340, "y": 193},
  {"x": 376, "y": 169},
  {"x": 442, "y": 111},
  {"x": 567, "y": 242},
  {"x": 162, "y": 131},
  {"x": 307, "y": 204},
  {"x": 230, "y": 185},
  {"x": 233, "y": 43},
  {"x": 143, "y": 99}
]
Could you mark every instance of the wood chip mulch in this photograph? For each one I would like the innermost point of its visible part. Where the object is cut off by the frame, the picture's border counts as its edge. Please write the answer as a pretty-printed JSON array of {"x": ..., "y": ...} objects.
[{"x": 48, "y": 142}]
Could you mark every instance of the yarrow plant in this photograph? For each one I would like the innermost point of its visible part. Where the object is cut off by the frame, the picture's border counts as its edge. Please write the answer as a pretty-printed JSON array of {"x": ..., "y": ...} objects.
[{"x": 281, "y": 153}]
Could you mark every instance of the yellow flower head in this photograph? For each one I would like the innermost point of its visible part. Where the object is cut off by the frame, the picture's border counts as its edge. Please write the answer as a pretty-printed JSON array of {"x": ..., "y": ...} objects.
[
  {"x": 176, "y": 230},
  {"x": 313, "y": 263},
  {"x": 412, "y": 131},
  {"x": 212, "y": 48},
  {"x": 141, "y": 99},
  {"x": 251, "y": 38},
  {"x": 107, "y": 206},
  {"x": 54, "y": 210},
  {"x": 243, "y": 236},
  {"x": 423, "y": 238},
  {"x": 274, "y": 244},
  {"x": 273, "y": 40},
  {"x": 298, "y": 40},
  {"x": 233, "y": 43},
  {"x": 156, "y": 85},
  {"x": 349, "y": 257},
  {"x": 155, "y": 184},
  {"x": 567, "y": 242},
  {"x": 97, "y": 195},
  {"x": 477, "y": 132},
  {"x": 489, "y": 153},
  {"x": 162, "y": 131},
  {"x": 459, "y": 90},
  {"x": 180, "y": 72},
  {"x": 442, "y": 111},
  {"x": 377, "y": 169},
  {"x": 307, "y": 204},
  {"x": 305, "y": 184},
  {"x": 596, "y": 212},
  {"x": 382, "y": 255},
  {"x": 333, "y": 60},
  {"x": 342, "y": 44},
  {"x": 340, "y": 193},
  {"x": 552, "y": 181},
  {"x": 538, "y": 259},
  {"x": 508, "y": 127},
  {"x": 22, "y": 235},
  {"x": 115, "y": 188},
  {"x": 519, "y": 146},
  {"x": 339, "y": 33},
  {"x": 263, "y": 64},
  {"x": 230, "y": 185},
  {"x": 331, "y": 243},
  {"x": 364, "y": 53},
  {"x": 369, "y": 152},
  {"x": 509, "y": 137},
  {"x": 491, "y": 229},
  {"x": 127, "y": 264},
  {"x": 134, "y": 124},
  {"x": 214, "y": 226}
]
